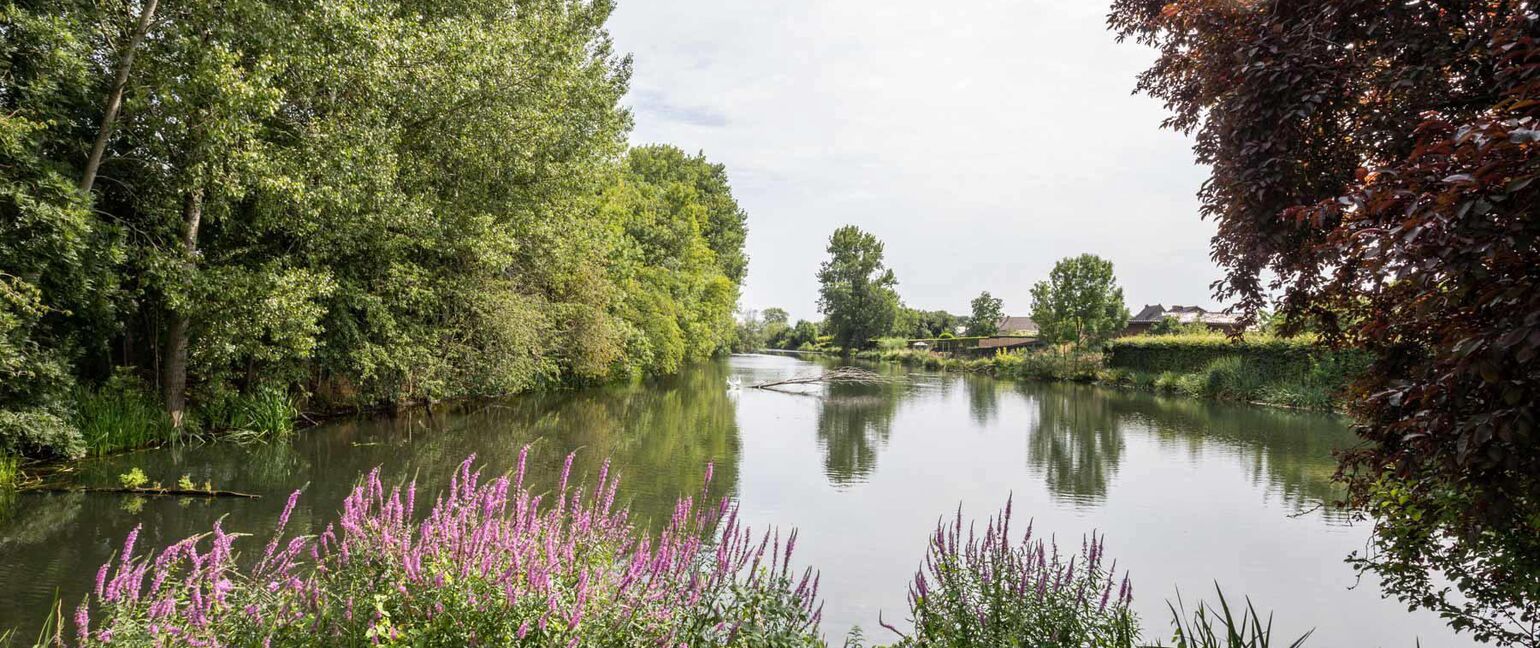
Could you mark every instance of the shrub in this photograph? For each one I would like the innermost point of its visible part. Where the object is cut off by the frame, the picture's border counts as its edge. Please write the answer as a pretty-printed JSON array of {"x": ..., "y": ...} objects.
[
  {"x": 1232, "y": 378},
  {"x": 989, "y": 590},
  {"x": 491, "y": 563},
  {"x": 39, "y": 433},
  {"x": 1275, "y": 357}
]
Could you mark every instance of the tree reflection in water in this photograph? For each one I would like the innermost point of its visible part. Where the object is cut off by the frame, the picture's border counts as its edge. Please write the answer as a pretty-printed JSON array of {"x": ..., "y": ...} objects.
[
  {"x": 1076, "y": 442},
  {"x": 854, "y": 423}
]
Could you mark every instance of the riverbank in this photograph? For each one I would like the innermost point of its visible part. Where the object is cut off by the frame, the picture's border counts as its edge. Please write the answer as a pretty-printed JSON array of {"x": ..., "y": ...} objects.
[{"x": 1265, "y": 371}]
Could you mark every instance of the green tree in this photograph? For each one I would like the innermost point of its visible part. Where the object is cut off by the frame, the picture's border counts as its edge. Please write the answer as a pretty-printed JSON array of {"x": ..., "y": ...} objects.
[
  {"x": 856, "y": 290},
  {"x": 988, "y": 310},
  {"x": 776, "y": 316},
  {"x": 313, "y": 198},
  {"x": 1080, "y": 303},
  {"x": 804, "y": 334}
]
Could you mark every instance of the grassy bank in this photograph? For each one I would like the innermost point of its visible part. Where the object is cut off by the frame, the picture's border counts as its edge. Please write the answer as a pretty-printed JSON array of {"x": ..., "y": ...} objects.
[{"x": 1263, "y": 370}]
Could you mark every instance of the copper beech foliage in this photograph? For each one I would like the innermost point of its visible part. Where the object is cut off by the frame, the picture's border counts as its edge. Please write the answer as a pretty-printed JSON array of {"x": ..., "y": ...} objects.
[{"x": 1374, "y": 165}]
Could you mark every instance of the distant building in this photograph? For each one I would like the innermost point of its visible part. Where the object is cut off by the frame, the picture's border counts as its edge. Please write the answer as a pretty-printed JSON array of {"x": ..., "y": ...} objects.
[
  {"x": 1147, "y": 318},
  {"x": 1016, "y": 326}
]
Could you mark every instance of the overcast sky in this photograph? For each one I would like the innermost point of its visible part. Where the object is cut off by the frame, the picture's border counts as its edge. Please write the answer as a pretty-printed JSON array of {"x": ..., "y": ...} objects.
[{"x": 980, "y": 140}]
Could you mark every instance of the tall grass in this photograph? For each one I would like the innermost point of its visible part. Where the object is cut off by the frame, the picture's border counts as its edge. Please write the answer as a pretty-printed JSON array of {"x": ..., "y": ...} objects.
[
  {"x": 10, "y": 473},
  {"x": 263, "y": 411},
  {"x": 122, "y": 415},
  {"x": 1211, "y": 627}
]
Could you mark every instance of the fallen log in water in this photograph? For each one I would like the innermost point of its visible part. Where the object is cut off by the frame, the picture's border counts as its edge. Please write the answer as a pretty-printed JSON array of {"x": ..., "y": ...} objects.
[
  {"x": 156, "y": 492},
  {"x": 840, "y": 375}
]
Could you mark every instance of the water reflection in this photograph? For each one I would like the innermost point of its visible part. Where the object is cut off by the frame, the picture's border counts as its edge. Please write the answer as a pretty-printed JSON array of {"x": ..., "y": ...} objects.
[
  {"x": 1078, "y": 438},
  {"x": 854, "y": 423},
  {"x": 983, "y": 398},
  {"x": 1076, "y": 442},
  {"x": 660, "y": 435},
  {"x": 935, "y": 438}
]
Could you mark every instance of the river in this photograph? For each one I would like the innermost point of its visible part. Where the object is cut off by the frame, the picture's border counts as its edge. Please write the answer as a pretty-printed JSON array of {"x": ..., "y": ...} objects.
[{"x": 1189, "y": 493}]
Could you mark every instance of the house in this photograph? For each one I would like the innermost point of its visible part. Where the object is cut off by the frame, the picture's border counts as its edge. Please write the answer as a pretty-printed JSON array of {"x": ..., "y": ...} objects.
[
  {"x": 1016, "y": 326},
  {"x": 1148, "y": 317}
]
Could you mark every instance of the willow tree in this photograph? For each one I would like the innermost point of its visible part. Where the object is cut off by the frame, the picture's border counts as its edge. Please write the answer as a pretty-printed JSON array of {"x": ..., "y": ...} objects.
[{"x": 1373, "y": 162}]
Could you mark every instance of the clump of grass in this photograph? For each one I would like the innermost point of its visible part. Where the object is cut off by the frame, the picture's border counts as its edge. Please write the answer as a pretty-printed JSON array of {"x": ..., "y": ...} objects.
[
  {"x": 989, "y": 589},
  {"x": 1232, "y": 378},
  {"x": 260, "y": 413},
  {"x": 1210, "y": 627},
  {"x": 490, "y": 563},
  {"x": 121, "y": 415},
  {"x": 10, "y": 474}
]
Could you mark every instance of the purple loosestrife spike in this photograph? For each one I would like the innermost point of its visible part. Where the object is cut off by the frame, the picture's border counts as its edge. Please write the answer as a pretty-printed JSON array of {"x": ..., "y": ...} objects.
[{"x": 83, "y": 622}]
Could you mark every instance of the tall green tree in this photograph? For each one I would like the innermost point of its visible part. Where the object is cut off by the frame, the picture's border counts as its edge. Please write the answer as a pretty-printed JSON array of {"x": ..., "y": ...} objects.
[
  {"x": 1080, "y": 303},
  {"x": 988, "y": 310},
  {"x": 776, "y": 316},
  {"x": 856, "y": 291},
  {"x": 355, "y": 201}
]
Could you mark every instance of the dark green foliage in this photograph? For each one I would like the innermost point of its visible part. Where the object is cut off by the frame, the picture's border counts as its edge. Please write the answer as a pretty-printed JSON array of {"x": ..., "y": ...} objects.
[
  {"x": 1271, "y": 356},
  {"x": 922, "y": 324},
  {"x": 1294, "y": 372}
]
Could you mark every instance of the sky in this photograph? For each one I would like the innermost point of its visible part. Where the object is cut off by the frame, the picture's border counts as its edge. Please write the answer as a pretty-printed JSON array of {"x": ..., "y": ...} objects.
[{"x": 981, "y": 141}]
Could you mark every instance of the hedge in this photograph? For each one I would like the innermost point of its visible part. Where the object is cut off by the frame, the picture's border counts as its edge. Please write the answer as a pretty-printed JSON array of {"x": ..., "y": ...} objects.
[{"x": 1277, "y": 358}]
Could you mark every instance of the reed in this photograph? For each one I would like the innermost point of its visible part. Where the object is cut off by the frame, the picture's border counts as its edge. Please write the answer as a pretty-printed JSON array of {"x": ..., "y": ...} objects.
[
  {"x": 121, "y": 416},
  {"x": 1211, "y": 627}
]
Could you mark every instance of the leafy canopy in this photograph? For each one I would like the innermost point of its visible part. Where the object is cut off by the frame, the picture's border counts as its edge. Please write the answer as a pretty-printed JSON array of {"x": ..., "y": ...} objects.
[
  {"x": 856, "y": 291},
  {"x": 988, "y": 310},
  {"x": 1080, "y": 303}
]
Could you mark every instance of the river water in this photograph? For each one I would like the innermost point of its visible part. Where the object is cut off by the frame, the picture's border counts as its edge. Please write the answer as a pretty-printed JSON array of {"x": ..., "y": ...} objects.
[{"x": 1190, "y": 493}]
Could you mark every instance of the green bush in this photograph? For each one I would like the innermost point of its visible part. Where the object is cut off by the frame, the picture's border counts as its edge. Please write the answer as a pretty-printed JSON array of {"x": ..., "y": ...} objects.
[
  {"x": 1232, "y": 378},
  {"x": 39, "y": 433},
  {"x": 1273, "y": 356}
]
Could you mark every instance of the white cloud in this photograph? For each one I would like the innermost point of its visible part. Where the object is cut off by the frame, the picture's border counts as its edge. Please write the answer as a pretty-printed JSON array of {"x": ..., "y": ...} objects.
[{"x": 980, "y": 140}]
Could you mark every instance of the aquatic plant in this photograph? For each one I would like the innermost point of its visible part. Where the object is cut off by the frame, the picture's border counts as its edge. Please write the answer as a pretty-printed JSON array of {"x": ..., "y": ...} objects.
[
  {"x": 991, "y": 590},
  {"x": 121, "y": 415},
  {"x": 10, "y": 471},
  {"x": 1217, "y": 627},
  {"x": 489, "y": 563}
]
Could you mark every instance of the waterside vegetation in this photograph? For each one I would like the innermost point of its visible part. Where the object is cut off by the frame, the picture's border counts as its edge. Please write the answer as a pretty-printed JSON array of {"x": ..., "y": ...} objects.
[
  {"x": 288, "y": 209},
  {"x": 495, "y": 560}
]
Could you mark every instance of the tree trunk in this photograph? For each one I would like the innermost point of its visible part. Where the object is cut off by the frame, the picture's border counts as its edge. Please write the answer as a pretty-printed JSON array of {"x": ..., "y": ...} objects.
[
  {"x": 174, "y": 365},
  {"x": 115, "y": 97}
]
